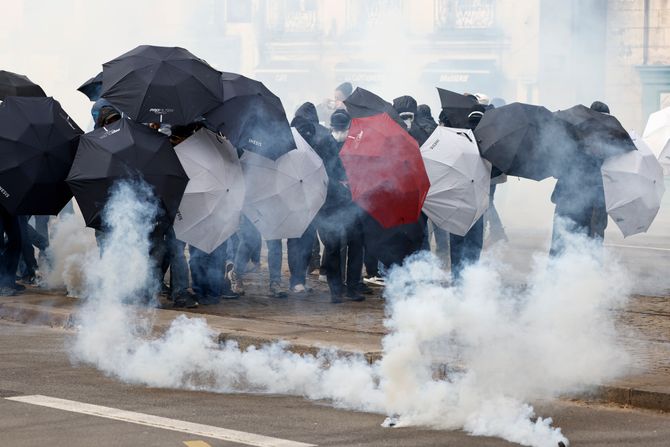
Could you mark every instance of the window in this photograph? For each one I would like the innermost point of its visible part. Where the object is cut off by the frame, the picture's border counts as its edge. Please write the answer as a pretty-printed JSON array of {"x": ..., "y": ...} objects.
[{"x": 464, "y": 14}]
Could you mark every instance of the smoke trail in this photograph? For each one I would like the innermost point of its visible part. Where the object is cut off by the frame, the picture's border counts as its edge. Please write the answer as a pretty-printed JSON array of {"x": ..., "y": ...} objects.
[
  {"x": 503, "y": 347},
  {"x": 71, "y": 247}
]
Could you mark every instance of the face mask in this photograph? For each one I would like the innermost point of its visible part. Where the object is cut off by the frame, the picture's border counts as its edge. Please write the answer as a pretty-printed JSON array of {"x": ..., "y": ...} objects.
[
  {"x": 408, "y": 123},
  {"x": 340, "y": 135}
]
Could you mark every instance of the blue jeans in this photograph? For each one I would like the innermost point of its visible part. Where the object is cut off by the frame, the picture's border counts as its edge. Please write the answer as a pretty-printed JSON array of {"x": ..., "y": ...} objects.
[
  {"x": 466, "y": 249},
  {"x": 207, "y": 270},
  {"x": 274, "y": 259},
  {"x": 299, "y": 254},
  {"x": 248, "y": 247}
]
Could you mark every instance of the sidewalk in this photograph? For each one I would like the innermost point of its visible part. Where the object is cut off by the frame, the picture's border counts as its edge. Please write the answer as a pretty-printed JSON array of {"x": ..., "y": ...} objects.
[{"x": 310, "y": 323}]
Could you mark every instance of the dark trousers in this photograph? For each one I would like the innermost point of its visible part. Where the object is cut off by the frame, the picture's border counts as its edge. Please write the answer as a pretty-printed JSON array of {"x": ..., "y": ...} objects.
[
  {"x": 31, "y": 238},
  {"x": 274, "y": 259},
  {"x": 342, "y": 238},
  {"x": 208, "y": 270},
  {"x": 11, "y": 250},
  {"x": 299, "y": 254},
  {"x": 465, "y": 250}
]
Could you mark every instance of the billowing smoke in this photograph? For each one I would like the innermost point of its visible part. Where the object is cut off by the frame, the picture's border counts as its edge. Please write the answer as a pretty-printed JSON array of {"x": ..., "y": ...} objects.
[
  {"x": 472, "y": 356},
  {"x": 71, "y": 247}
]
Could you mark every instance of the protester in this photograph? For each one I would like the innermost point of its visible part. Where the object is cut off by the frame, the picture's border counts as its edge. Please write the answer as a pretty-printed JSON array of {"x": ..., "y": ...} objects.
[
  {"x": 10, "y": 253},
  {"x": 579, "y": 197},
  {"x": 407, "y": 109},
  {"x": 424, "y": 119},
  {"x": 465, "y": 250}
]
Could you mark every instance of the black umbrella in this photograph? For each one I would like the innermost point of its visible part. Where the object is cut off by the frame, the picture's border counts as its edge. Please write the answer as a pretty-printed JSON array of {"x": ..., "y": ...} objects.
[
  {"x": 92, "y": 87},
  {"x": 456, "y": 107},
  {"x": 598, "y": 134},
  {"x": 38, "y": 141},
  {"x": 12, "y": 84},
  {"x": 125, "y": 150},
  {"x": 524, "y": 140},
  {"x": 391, "y": 245},
  {"x": 251, "y": 117},
  {"x": 363, "y": 103},
  {"x": 161, "y": 84}
]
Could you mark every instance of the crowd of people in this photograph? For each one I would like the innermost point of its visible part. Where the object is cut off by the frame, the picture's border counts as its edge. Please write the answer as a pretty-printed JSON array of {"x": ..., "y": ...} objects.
[{"x": 334, "y": 245}]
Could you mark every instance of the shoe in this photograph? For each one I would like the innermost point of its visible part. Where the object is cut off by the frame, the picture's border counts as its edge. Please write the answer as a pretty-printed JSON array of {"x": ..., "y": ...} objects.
[
  {"x": 364, "y": 289},
  {"x": 299, "y": 289},
  {"x": 207, "y": 300},
  {"x": 7, "y": 291},
  {"x": 374, "y": 281},
  {"x": 236, "y": 282},
  {"x": 18, "y": 287},
  {"x": 275, "y": 290},
  {"x": 28, "y": 280},
  {"x": 353, "y": 295},
  {"x": 228, "y": 294},
  {"x": 184, "y": 300},
  {"x": 323, "y": 278},
  {"x": 336, "y": 298}
]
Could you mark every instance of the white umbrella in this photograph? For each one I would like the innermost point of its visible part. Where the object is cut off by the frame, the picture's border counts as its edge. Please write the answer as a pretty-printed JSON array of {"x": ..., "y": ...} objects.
[
  {"x": 210, "y": 210},
  {"x": 459, "y": 179},
  {"x": 657, "y": 136},
  {"x": 634, "y": 188},
  {"x": 284, "y": 196}
]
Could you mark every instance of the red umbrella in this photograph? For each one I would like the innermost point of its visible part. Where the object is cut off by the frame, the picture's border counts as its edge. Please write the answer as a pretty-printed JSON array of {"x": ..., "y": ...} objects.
[{"x": 386, "y": 173}]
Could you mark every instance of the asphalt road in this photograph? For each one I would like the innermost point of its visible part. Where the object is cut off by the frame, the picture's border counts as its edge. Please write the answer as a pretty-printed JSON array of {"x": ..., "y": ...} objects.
[{"x": 34, "y": 362}]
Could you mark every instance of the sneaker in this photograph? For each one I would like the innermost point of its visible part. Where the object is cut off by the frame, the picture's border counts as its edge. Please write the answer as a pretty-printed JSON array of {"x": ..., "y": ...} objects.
[
  {"x": 184, "y": 300},
  {"x": 374, "y": 281},
  {"x": 228, "y": 294},
  {"x": 236, "y": 282},
  {"x": 7, "y": 291},
  {"x": 18, "y": 287},
  {"x": 299, "y": 289},
  {"x": 207, "y": 300},
  {"x": 323, "y": 278},
  {"x": 353, "y": 295},
  {"x": 364, "y": 289},
  {"x": 275, "y": 290}
]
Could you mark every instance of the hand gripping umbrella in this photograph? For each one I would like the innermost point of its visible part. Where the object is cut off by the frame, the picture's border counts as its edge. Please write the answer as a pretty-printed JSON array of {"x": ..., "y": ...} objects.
[
  {"x": 598, "y": 134},
  {"x": 38, "y": 142},
  {"x": 92, "y": 87},
  {"x": 12, "y": 84},
  {"x": 386, "y": 173},
  {"x": 125, "y": 150},
  {"x": 284, "y": 196},
  {"x": 524, "y": 140},
  {"x": 657, "y": 136},
  {"x": 251, "y": 117},
  {"x": 161, "y": 84},
  {"x": 459, "y": 180},
  {"x": 363, "y": 103},
  {"x": 210, "y": 210},
  {"x": 456, "y": 106},
  {"x": 633, "y": 184}
]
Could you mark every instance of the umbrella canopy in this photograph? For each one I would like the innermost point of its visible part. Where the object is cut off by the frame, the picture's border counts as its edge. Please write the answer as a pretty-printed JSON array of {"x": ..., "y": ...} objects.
[
  {"x": 633, "y": 184},
  {"x": 251, "y": 117},
  {"x": 524, "y": 140},
  {"x": 657, "y": 136},
  {"x": 284, "y": 196},
  {"x": 363, "y": 103},
  {"x": 456, "y": 106},
  {"x": 125, "y": 150},
  {"x": 38, "y": 142},
  {"x": 13, "y": 84},
  {"x": 386, "y": 173},
  {"x": 598, "y": 134},
  {"x": 391, "y": 245},
  {"x": 459, "y": 180},
  {"x": 161, "y": 84},
  {"x": 210, "y": 210},
  {"x": 92, "y": 87}
]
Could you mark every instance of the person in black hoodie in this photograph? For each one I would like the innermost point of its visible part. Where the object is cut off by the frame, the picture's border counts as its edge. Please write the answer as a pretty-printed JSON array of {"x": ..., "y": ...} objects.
[
  {"x": 338, "y": 221},
  {"x": 407, "y": 109},
  {"x": 424, "y": 119}
]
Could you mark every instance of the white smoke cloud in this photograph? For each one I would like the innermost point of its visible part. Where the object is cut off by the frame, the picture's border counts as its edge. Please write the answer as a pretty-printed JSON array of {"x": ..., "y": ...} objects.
[{"x": 503, "y": 347}]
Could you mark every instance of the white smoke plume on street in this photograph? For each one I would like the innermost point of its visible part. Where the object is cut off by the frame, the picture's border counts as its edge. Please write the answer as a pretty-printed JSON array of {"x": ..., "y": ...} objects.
[
  {"x": 71, "y": 247},
  {"x": 504, "y": 348}
]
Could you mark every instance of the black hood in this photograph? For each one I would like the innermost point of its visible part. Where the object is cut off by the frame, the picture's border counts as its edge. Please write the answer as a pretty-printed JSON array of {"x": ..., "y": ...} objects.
[
  {"x": 405, "y": 104},
  {"x": 308, "y": 112}
]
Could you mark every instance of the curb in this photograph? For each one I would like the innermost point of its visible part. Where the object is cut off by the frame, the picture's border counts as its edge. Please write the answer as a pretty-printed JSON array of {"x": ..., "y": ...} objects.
[{"x": 54, "y": 317}]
